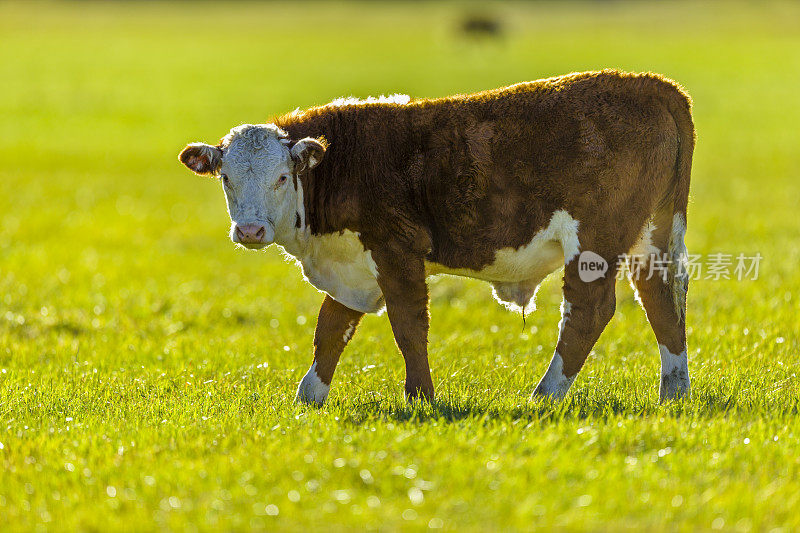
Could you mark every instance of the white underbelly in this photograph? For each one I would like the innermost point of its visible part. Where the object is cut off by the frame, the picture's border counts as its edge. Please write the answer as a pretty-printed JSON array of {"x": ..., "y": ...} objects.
[
  {"x": 510, "y": 265},
  {"x": 549, "y": 249},
  {"x": 338, "y": 265}
]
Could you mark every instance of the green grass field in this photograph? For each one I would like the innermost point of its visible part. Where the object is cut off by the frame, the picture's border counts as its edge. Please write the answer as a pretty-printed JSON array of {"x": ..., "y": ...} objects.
[{"x": 148, "y": 368}]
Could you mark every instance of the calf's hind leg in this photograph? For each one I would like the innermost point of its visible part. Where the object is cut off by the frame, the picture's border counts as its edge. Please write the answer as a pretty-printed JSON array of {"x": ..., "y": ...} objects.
[
  {"x": 664, "y": 302},
  {"x": 586, "y": 309},
  {"x": 335, "y": 326}
]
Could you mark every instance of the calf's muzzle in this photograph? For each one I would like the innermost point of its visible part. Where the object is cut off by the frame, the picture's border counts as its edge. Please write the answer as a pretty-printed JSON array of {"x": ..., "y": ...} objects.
[{"x": 250, "y": 234}]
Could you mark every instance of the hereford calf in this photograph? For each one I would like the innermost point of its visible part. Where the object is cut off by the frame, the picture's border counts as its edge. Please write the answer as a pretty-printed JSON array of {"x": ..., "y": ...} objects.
[{"x": 506, "y": 185}]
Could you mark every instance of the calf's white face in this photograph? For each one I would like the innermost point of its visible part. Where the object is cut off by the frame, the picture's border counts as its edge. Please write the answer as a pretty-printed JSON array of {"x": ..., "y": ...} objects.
[{"x": 258, "y": 167}]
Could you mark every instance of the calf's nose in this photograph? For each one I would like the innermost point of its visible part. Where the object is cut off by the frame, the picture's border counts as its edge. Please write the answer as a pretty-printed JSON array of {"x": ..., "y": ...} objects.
[{"x": 250, "y": 233}]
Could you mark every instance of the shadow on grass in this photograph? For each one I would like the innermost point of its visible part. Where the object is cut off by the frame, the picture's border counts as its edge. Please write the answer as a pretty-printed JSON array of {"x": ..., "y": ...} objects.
[{"x": 703, "y": 405}]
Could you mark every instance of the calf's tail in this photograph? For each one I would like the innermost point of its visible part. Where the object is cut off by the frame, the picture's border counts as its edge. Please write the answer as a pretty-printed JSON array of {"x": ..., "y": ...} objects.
[{"x": 679, "y": 105}]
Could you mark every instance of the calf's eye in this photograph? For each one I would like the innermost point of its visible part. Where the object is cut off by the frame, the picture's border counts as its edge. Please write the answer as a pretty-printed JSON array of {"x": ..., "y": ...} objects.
[
  {"x": 282, "y": 180},
  {"x": 225, "y": 180}
]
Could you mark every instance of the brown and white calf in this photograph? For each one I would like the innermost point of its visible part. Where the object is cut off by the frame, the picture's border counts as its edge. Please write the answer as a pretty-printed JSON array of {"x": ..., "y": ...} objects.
[{"x": 507, "y": 185}]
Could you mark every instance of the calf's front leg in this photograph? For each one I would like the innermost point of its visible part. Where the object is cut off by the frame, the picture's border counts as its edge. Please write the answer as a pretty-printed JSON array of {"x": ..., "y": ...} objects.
[
  {"x": 402, "y": 281},
  {"x": 335, "y": 326}
]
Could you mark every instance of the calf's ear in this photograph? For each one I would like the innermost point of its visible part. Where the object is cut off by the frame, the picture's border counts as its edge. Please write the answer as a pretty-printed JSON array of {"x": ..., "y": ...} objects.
[
  {"x": 201, "y": 158},
  {"x": 308, "y": 152}
]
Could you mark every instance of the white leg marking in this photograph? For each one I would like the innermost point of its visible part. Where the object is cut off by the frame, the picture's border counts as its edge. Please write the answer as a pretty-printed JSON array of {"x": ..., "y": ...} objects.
[
  {"x": 640, "y": 254},
  {"x": 566, "y": 309},
  {"x": 554, "y": 383},
  {"x": 312, "y": 390},
  {"x": 639, "y": 257},
  {"x": 348, "y": 333},
  {"x": 678, "y": 253},
  {"x": 678, "y": 234},
  {"x": 644, "y": 247},
  {"x": 674, "y": 374}
]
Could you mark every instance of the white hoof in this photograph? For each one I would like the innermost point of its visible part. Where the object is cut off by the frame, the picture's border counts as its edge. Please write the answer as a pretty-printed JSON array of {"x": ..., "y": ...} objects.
[
  {"x": 675, "y": 381},
  {"x": 554, "y": 383},
  {"x": 312, "y": 389}
]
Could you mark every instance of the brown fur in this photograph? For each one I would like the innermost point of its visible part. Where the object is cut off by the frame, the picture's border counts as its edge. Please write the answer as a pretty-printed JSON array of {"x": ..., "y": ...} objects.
[
  {"x": 329, "y": 338},
  {"x": 453, "y": 180}
]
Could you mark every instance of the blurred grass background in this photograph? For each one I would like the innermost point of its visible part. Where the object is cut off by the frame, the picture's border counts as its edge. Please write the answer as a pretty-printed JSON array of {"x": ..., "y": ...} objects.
[{"x": 147, "y": 368}]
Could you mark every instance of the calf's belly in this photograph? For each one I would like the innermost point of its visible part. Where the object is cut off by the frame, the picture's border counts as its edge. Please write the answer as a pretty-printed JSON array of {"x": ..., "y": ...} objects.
[
  {"x": 531, "y": 262},
  {"x": 547, "y": 250},
  {"x": 340, "y": 266}
]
